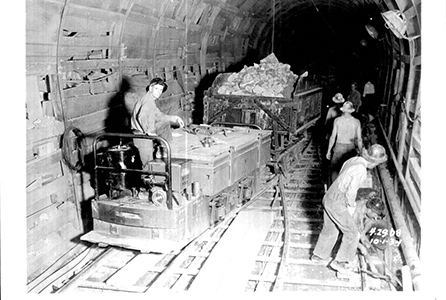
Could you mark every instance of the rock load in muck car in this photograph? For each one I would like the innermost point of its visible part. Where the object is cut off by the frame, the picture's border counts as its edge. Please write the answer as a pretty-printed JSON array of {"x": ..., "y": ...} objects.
[
  {"x": 269, "y": 95},
  {"x": 207, "y": 173},
  {"x": 270, "y": 78}
]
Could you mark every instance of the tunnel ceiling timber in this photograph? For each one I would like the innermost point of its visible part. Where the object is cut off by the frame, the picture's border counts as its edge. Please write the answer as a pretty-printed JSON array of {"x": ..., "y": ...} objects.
[{"x": 153, "y": 37}]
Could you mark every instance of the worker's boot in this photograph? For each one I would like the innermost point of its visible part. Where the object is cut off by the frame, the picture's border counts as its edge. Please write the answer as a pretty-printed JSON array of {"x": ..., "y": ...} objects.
[
  {"x": 342, "y": 269},
  {"x": 319, "y": 260}
]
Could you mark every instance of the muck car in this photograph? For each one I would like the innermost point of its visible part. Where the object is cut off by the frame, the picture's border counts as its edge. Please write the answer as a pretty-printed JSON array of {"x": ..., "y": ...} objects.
[{"x": 298, "y": 108}]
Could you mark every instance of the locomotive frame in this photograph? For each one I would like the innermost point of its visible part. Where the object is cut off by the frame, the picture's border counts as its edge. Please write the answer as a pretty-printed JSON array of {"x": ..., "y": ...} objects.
[
  {"x": 131, "y": 222},
  {"x": 192, "y": 203}
]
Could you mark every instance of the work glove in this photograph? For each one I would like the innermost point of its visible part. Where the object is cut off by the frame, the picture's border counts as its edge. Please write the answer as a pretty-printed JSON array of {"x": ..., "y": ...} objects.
[{"x": 180, "y": 122}]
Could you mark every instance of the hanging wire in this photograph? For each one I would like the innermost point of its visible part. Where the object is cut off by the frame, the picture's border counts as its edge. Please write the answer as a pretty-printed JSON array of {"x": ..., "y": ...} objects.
[
  {"x": 274, "y": 21},
  {"x": 332, "y": 30},
  {"x": 57, "y": 79},
  {"x": 416, "y": 114}
]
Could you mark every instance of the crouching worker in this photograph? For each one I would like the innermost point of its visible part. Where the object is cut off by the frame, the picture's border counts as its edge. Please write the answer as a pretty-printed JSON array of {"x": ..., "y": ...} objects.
[
  {"x": 369, "y": 215},
  {"x": 148, "y": 119},
  {"x": 339, "y": 207}
]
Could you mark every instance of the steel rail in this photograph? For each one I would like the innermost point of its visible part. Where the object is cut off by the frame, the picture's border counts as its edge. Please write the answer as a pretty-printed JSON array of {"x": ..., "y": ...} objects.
[
  {"x": 280, "y": 268},
  {"x": 87, "y": 271},
  {"x": 284, "y": 263},
  {"x": 277, "y": 285}
]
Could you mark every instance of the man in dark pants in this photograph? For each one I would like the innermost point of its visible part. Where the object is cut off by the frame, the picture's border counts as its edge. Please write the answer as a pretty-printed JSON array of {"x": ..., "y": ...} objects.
[
  {"x": 368, "y": 96},
  {"x": 355, "y": 97},
  {"x": 148, "y": 119},
  {"x": 339, "y": 206}
]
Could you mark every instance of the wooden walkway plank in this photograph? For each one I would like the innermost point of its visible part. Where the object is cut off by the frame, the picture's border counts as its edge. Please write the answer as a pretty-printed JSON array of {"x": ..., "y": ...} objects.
[
  {"x": 230, "y": 263},
  {"x": 135, "y": 269}
]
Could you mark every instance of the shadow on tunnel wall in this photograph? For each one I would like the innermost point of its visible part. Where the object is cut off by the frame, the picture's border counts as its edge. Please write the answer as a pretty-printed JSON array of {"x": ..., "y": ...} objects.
[
  {"x": 206, "y": 82},
  {"x": 117, "y": 121}
]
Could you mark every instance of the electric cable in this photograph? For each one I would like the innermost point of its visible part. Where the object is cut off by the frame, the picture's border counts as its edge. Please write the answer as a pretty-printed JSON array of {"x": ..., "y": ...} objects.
[
  {"x": 75, "y": 168},
  {"x": 60, "y": 90},
  {"x": 274, "y": 22},
  {"x": 84, "y": 254},
  {"x": 67, "y": 151},
  {"x": 417, "y": 115},
  {"x": 400, "y": 99}
]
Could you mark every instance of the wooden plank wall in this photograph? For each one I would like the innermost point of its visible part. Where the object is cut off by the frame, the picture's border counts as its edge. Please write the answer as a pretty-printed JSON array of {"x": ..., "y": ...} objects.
[
  {"x": 406, "y": 133},
  {"x": 51, "y": 214},
  {"x": 409, "y": 151},
  {"x": 72, "y": 73},
  {"x": 87, "y": 62},
  {"x": 176, "y": 38}
]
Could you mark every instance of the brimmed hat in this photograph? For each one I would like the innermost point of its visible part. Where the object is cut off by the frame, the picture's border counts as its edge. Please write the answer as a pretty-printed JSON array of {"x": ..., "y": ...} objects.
[
  {"x": 375, "y": 154},
  {"x": 347, "y": 107},
  {"x": 338, "y": 98},
  {"x": 157, "y": 81}
]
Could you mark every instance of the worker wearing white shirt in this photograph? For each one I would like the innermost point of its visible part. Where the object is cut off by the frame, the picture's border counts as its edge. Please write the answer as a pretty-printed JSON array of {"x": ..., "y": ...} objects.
[
  {"x": 369, "y": 88},
  {"x": 339, "y": 206},
  {"x": 368, "y": 96}
]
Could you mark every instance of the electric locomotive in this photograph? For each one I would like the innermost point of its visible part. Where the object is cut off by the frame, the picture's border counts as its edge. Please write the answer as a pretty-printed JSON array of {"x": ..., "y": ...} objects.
[{"x": 206, "y": 173}]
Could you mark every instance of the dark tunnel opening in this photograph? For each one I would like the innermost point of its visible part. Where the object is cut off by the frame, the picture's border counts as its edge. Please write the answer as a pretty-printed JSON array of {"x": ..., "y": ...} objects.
[{"x": 328, "y": 40}]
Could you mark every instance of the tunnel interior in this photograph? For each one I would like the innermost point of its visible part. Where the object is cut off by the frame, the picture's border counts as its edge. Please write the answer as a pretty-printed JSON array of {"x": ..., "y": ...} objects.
[
  {"x": 329, "y": 40},
  {"x": 326, "y": 39},
  {"x": 88, "y": 61}
]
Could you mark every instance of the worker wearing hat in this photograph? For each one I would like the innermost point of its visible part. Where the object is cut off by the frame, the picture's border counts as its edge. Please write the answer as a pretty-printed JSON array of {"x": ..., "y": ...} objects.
[
  {"x": 148, "y": 119},
  {"x": 339, "y": 206},
  {"x": 333, "y": 112},
  {"x": 345, "y": 140}
]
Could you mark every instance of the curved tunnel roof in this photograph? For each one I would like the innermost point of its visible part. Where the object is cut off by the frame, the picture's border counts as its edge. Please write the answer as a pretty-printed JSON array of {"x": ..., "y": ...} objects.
[
  {"x": 299, "y": 32},
  {"x": 186, "y": 40}
]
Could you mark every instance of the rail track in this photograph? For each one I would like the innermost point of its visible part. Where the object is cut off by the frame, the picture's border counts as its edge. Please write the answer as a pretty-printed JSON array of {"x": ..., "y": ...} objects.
[{"x": 282, "y": 261}]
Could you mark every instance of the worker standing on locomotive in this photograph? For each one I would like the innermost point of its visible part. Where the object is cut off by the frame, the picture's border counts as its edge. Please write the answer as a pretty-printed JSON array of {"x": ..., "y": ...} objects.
[
  {"x": 339, "y": 206},
  {"x": 148, "y": 119},
  {"x": 346, "y": 138}
]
